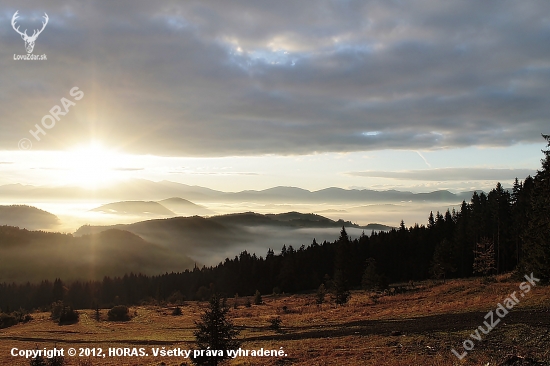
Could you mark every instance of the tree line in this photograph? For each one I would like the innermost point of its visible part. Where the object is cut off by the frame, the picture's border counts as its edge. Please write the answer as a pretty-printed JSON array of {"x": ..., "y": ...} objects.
[{"x": 501, "y": 231}]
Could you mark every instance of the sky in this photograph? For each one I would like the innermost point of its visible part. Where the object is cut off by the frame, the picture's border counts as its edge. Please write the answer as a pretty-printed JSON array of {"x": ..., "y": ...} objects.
[{"x": 409, "y": 95}]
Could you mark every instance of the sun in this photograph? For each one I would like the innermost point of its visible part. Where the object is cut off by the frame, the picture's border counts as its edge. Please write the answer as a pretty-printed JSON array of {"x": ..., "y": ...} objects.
[{"x": 92, "y": 166}]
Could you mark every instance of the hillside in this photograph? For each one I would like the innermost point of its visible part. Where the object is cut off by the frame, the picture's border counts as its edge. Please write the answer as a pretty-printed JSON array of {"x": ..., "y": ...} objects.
[
  {"x": 27, "y": 217},
  {"x": 212, "y": 239},
  {"x": 35, "y": 255},
  {"x": 184, "y": 207},
  {"x": 417, "y": 327},
  {"x": 137, "y": 208}
]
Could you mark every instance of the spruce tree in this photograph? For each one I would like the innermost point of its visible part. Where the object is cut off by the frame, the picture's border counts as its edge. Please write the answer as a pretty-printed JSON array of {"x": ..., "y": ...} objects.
[
  {"x": 484, "y": 257},
  {"x": 215, "y": 332},
  {"x": 320, "y": 296},
  {"x": 372, "y": 280},
  {"x": 341, "y": 288},
  {"x": 342, "y": 268},
  {"x": 443, "y": 262},
  {"x": 537, "y": 235}
]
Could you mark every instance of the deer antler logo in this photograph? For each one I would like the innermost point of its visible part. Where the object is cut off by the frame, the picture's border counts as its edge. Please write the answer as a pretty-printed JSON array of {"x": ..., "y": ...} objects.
[{"x": 29, "y": 41}]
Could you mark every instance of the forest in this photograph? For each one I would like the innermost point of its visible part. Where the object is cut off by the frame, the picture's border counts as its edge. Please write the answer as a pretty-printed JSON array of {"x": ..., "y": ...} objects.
[{"x": 502, "y": 231}]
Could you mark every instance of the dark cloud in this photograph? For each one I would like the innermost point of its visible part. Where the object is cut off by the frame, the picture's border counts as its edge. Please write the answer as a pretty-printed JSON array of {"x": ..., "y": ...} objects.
[
  {"x": 450, "y": 174},
  {"x": 218, "y": 78}
]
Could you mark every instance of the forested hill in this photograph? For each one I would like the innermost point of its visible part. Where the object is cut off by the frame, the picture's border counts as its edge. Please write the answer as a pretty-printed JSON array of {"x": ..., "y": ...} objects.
[{"x": 492, "y": 233}]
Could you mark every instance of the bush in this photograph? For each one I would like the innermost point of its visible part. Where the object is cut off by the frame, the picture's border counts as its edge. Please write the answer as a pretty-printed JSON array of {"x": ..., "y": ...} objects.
[
  {"x": 7, "y": 320},
  {"x": 275, "y": 323},
  {"x": 320, "y": 296},
  {"x": 56, "y": 310},
  {"x": 54, "y": 361},
  {"x": 119, "y": 313},
  {"x": 63, "y": 314},
  {"x": 257, "y": 298},
  {"x": 68, "y": 316},
  {"x": 177, "y": 311},
  {"x": 38, "y": 361},
  {"x": 176, "y": 298}
]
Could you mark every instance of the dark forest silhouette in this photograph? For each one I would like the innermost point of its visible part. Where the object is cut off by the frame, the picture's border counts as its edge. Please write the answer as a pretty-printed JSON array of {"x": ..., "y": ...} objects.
[{"x": 499, "y": 232}]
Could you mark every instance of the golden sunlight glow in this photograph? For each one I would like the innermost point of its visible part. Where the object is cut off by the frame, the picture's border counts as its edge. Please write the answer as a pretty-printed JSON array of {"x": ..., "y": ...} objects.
[{"x": 92, "y": 166}]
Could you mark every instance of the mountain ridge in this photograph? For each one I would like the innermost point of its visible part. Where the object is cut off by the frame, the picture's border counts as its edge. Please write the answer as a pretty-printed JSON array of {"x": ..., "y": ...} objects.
[{"x": 141, "y": 189}]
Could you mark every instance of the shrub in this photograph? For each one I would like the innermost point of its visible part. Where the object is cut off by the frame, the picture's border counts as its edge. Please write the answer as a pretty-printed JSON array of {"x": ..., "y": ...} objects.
[
  {"x": 176, "y": 298},
  {"x": 257, "y": 298},
  {"x": 54, "y": 361},
  {"x": 119, "y": 313},
  {"x": 56, "y": 310},
  {"x": 38, "y": 361},
  {"x": 320, "y": 296},
  {"x": 7, "y": 320},
  {"x": 177, "y": 311},
  {"x": 68, "y": 316},
  {"x": 275, "y": 323}
]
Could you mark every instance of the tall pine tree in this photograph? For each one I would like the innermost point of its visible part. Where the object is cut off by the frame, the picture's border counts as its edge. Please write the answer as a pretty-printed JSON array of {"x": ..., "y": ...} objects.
[
  {"x": 537, "y": 235},
  {"x": 215, "y": 332}
]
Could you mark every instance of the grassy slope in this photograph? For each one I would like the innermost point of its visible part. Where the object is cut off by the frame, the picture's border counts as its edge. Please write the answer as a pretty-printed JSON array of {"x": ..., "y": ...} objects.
[{"x": 416, "y": 328}]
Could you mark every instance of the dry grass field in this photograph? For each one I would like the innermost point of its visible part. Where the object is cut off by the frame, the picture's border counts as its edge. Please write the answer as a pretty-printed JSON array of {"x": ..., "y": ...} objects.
[{"x": 418, "y": 327}]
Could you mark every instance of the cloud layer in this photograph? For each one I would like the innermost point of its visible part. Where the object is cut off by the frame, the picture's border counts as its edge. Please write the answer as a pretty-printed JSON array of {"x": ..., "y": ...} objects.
[
  {"x": 213, "y": 78},
  {"x": 450, "y": 174}
]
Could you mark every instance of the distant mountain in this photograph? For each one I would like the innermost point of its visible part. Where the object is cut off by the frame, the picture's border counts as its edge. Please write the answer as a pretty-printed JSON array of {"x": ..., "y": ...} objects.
[
  {"x": 35, "y": 255},
  {"x": 197, "y": 235},
  {"x": 135, "y": 208},
  {"x": 378, "y": 227},
  {"x": 27, "y": 217},
  {"x": 140, "y": 189},
  {"x": 185, "y": 207},
  {"x": 187, "y": 235}
]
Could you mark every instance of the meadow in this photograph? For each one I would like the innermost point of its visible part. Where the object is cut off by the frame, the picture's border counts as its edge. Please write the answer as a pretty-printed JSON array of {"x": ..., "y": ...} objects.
[{"x": 418, "y": 326}]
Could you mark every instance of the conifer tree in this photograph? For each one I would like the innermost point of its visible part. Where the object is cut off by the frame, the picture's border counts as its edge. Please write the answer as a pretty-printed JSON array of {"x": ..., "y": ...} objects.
[
  {"x": 443, "y": 262},
  {"x": 341, "y": 289},
  {"x": 372, "y": 280},
  {"x": 342, "y": 268},
  {"x": 320, "y": 296},
  {"x": 484, "y": 257},
  {"x": 215, "y": 332},
  {"x": 537, "y": 235}
]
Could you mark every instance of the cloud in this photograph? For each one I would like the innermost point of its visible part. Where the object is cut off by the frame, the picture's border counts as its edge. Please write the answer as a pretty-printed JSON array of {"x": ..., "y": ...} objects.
[
  {"x": 212, "y": 78},
  {"x": 450, "y": 174}
]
